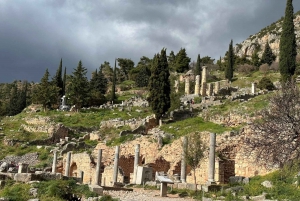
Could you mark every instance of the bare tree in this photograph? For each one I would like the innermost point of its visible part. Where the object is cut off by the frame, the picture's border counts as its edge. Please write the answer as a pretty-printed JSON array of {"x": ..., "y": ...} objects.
[
  {"x": 194, "y": 152},
  {"x": 276, "y": 134}
]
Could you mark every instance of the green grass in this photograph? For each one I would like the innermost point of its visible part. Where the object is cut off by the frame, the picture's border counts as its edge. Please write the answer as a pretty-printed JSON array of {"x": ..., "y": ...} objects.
[{"x": 197, "y": 124}]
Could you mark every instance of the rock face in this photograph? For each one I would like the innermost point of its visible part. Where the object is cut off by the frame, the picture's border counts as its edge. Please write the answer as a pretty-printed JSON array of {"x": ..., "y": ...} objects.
[{"x": 270, "y": 34}]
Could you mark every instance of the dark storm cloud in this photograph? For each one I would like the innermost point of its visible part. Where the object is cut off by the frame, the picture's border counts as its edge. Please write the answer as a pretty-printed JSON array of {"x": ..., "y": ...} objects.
[{"x": 35, "y": 34}]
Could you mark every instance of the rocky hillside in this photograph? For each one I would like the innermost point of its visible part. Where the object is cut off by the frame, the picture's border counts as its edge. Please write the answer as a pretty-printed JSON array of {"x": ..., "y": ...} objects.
[{"x": 269, "y": 34}]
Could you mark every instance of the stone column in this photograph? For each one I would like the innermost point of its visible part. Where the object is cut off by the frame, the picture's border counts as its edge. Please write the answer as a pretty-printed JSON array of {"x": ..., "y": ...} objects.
[
  {"x": 183, "y": 162},
  {"x": 136, "y": 162},
  {"x": 54, "y": 161},
  {"x": 176, "y": 86},
  {"x": 210, "y": 89},
  {"x": 211, "y": 162},
  {"x": 204, "y": 75},
  {"x": 197, "y": 85},
  {"x": 203, "y": 89},
  {"x": 217, "y": 87},
  {"x": 81, "y": 174},
  {"x": 20, "y": 169},
  {"x": 253, "y": 88},
  {"x": 68, "y": 161},
  {"x": 116, "y": 162},
  {"x": 187, "y": 86},
  {"x": 98, "y": 167}
]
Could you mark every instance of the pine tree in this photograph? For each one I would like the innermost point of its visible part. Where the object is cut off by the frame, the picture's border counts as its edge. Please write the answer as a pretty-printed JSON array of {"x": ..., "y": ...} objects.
[
  {"x": 182, "y": 61},
  {"x": 268, "y": 57},
  {"x": 159, "y": 85},
  {"x": 64, "y": 81},
  {"x": 57, "y": 79},
  {"x": 230, "y": 63},
  {"x": 198, "y": 66},
  {"x": 46, "y": 92},
  {"x": 78, "y": 87},
  {"x": 287, "y": 46}
]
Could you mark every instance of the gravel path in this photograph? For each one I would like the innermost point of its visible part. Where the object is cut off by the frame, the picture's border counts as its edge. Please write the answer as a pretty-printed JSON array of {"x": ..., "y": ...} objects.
[{"x": 144, "y": 195}]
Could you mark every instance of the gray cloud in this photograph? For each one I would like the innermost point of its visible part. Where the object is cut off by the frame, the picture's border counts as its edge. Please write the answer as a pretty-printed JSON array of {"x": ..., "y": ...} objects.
[{"x": 35, "y": 34}]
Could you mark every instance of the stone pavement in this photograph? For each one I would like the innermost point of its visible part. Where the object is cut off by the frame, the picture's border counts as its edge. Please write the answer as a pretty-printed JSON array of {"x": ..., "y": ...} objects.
[{"x": 139, "y": 194}]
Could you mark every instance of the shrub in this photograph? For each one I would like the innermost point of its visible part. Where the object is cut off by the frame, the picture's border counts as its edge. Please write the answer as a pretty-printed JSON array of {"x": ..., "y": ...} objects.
[
  {"x": 266, "y": 83},
  {"x": 264, "y": 68},
  {"x": 246, "y": 68},
  {"x": 274, "y": 66}
]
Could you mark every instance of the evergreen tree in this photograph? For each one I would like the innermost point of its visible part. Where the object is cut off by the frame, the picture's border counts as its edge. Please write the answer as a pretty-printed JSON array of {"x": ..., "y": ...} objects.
[
  {"x": 46, "y": 93},
  {"x": 198, "y": 66},
  {"x": 268, "y": 57},
  {"x": 287, "y": 46},
  {"x": 107, "y": 71},
  {"x": 125, "y": 66},
  {"x": 182, "y": 61},
  {"x": 78, "y": 87},
  {"x": 57, "y": 79},
  {"x": 171, "y": 61},
  {"x": 113, "y": 87},
  {"x": 142, "y": 78},
  {"x": 230, "y": 63},
  {"x": 12, "y": 108},
  {"x": 159, "y": 85},
  {"x": 64, "y": 81},
  {"x": 98, "y": 82},
  {"x": 255, "y": 59}
]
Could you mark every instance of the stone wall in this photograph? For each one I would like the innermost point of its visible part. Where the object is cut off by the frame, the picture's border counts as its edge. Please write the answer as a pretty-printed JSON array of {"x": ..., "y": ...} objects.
[{"x": 232, "y": 159}]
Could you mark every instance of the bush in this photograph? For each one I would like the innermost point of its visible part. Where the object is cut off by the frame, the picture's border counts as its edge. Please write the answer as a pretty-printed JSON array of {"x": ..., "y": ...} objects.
[
  {"x": 264, "y": 68},
  {"x": 266, "y": 83},
  {"x": 274, "y": 66},
  {"x": 246, "y": 68}
]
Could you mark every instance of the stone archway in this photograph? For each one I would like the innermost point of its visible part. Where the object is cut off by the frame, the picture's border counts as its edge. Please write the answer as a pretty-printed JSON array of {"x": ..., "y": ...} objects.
[{"x": 73, "y": 170}]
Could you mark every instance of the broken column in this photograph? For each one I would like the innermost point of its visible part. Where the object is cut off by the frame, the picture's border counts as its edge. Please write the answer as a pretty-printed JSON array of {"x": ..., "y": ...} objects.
[
  {"x": 68, "y": 161},
  {"x": 116, "y": 163},
  {"x": 98, "y": 167},
  {"x": 204, "y": 75},
  {"x": 187, "y": 86},
  {"x": 211, "y": 162},
  {"x": 253, "y": 88},
  {"x": 210, "y": 89},
  {"x": 197, "y": 85},
  {"x": 136, "y": 162},
  {"x": 81, "y": 174},
  {"x": 54, "y": 161},
  {"x": 217, "y": 87},
  {"x": 183, "y": 162},
  {"x": 203, "y": 89},
  {"x": 20, "y": 169}
]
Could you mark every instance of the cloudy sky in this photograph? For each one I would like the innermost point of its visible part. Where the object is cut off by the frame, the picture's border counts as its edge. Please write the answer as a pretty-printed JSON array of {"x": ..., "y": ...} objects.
[{"x": 36, "y": 34}]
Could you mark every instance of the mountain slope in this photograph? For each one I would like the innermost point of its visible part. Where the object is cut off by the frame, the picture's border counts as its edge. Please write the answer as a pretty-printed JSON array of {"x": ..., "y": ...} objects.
[{"x": 269, "y": 34}]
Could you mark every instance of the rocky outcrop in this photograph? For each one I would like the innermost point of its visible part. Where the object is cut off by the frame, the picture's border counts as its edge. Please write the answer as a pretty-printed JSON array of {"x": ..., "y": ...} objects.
[{"x": 270, "y": 34}]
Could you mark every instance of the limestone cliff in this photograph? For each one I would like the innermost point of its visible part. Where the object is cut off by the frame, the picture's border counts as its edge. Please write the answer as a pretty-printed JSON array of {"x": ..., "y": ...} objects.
[{"x": 269, "y": 34}]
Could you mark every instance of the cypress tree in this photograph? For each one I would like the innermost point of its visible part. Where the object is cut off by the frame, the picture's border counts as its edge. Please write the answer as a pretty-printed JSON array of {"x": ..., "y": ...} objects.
[
  {"x": 287, "y": 46},
  {"x": 57, "y": 79},
  {"x": 113, "y": 87},
  {"x": 159, "y": 85},
  {"x": 198, "y": 66},
  {"x": 64, "y": 81},
  {"x": 230, "y": 63},
  {"x": 268, "y": 57}
]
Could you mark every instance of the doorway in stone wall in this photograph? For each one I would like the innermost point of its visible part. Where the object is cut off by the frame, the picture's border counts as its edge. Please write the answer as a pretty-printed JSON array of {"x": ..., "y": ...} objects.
[
  {"x": 73, "y": 170},
  {"x": 228, "y": 169}
]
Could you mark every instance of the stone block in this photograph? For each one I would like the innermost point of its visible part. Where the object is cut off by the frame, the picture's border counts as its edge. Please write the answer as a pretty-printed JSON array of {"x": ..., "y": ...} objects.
[
  {"x": 23, "y": 177},
  {"x": 96, "y": 189},
  {"x": 181, "y": 185}
]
